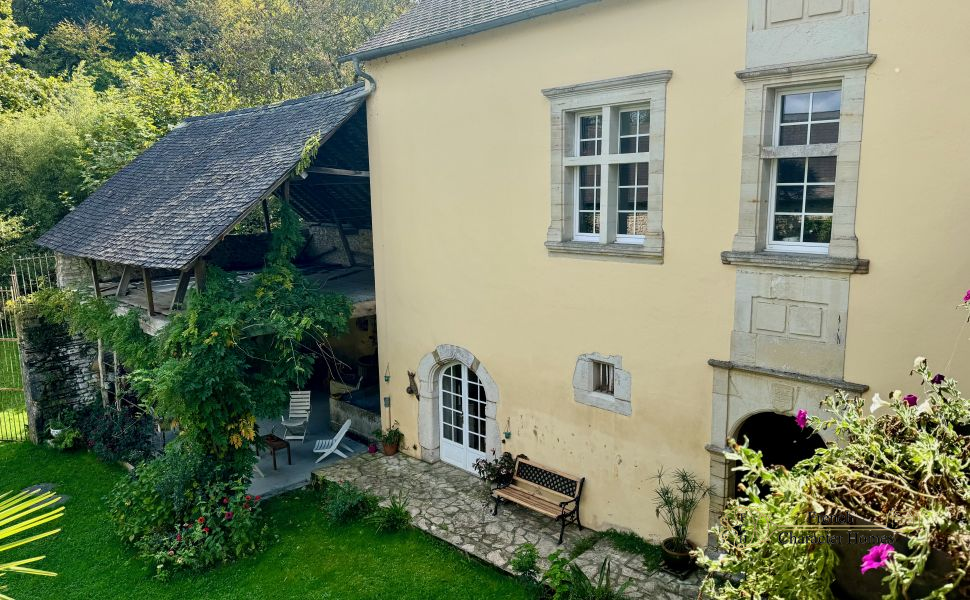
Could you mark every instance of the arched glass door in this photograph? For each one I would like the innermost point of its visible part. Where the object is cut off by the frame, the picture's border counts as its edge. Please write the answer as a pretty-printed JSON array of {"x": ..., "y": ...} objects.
[{"x": 462, "y": 405}]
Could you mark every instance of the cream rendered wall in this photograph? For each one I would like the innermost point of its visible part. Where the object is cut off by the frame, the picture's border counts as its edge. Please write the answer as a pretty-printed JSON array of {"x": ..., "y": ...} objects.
[
  {"x": 914, "y": 197},
  {"x": 459, "y": 142}
]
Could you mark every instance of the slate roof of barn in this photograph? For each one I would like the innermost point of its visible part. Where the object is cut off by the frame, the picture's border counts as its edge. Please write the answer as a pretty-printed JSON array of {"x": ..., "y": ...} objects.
[
  {"x": 433, "y": 21},
  {"x": 178, "y": 198}
]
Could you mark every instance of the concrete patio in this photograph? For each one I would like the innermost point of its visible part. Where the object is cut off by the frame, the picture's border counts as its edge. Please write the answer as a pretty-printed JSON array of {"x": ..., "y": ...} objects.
[{"x": 453, "y": 505}]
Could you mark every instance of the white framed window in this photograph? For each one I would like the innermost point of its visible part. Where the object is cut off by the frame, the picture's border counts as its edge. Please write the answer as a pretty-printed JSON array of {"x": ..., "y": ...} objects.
[
  {"x": 803, "y": 172},
  {"x": 610, "y": 170},
  {"x": 607, "y": 160}
]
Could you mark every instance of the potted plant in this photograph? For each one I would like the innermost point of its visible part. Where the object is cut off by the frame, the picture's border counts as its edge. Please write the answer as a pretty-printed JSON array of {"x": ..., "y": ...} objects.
[
  {"x": 675, "y": 504},
  {"x": 390, "y": 439},
  {"x": 497, "y": 472},
  {"x": 57, "y": 425}
]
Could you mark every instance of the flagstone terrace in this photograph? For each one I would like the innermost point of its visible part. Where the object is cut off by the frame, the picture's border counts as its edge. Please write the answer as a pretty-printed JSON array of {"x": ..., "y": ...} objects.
[{"x": 454, "y": 506}]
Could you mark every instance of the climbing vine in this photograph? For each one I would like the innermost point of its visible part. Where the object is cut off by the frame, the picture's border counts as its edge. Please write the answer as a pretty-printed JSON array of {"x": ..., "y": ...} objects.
[{"x": 229, "y": 358}]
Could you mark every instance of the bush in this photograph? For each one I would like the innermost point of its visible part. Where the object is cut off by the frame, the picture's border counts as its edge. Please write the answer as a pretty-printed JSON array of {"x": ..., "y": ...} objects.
[
  {"x": 114, "y": 435},
  {"x": 224, "y": 525},
  {"x": 68, "y": 439},
  {"x": 343, "y": 503},
  {"x": 181, "y": 511},
  {"x": 393, "y": 517},
  {"x": 525, "y": 561},
  {"x": 568, "y": 582}
]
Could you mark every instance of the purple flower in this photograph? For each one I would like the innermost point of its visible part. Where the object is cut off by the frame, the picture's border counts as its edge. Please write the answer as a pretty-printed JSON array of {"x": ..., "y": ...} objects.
[
  {"x": 937, "y": 379},
  {"x": 877, "y": 557},
  {"x": 801, "y": 419},
  {"x": 911, "y": 399},
  {"x": 966, "y": 297}
]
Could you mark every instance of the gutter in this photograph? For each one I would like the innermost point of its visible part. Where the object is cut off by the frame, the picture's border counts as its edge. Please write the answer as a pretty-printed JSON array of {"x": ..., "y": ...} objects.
[{"x": 462, "y": 31}]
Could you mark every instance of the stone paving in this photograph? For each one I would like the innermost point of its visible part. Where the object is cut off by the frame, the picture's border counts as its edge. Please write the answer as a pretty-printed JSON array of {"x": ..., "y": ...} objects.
[{"x": 453, "y": 505}]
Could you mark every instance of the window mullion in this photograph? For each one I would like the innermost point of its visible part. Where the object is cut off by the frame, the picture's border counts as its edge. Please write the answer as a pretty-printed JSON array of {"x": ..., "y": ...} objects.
[{"x": 608, "y": 175}]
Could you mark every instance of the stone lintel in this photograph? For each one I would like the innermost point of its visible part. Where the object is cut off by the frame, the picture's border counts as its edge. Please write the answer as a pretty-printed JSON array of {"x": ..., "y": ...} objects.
[{"x": 811, "y": 66}]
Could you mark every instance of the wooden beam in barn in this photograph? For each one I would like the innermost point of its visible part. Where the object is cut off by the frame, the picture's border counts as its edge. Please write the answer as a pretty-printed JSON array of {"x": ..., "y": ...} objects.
[
  {"x": 94, "y": 277},
  {"x": 178, "y": 301},
  {"x": 341, "y": 172},
  {"x": 266, "y": 221},
  {"x": 200, "y": 275},
  {"x": 343, "y": 239},
  {"x": 125, "y": 281},
  {"x": 147, "y": 277}
]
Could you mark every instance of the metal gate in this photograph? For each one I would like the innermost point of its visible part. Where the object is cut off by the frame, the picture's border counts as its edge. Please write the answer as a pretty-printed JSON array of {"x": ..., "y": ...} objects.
[{"x": 30, "y": 273}]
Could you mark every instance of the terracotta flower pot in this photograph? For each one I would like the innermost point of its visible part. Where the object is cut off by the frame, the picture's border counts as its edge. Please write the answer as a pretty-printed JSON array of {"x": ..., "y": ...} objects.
[
  {"x": 677, "y": 559},
  {"x": 390, "y": 449}
]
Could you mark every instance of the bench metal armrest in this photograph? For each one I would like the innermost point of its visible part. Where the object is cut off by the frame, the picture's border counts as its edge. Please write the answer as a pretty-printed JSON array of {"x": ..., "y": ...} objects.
[{"x": 563, "y": 504}]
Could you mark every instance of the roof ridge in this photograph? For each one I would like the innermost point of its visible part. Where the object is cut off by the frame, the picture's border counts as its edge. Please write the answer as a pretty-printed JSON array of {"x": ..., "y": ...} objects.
[{"x": 274, "y": 105}]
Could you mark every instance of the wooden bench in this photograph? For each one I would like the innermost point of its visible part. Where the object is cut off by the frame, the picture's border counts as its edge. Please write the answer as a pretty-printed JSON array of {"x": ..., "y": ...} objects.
[{"x": 544, "y": 490}]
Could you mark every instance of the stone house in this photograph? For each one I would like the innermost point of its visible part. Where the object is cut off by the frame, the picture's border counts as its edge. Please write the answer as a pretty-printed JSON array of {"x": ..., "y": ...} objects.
[{"x": 612, "y": 234}]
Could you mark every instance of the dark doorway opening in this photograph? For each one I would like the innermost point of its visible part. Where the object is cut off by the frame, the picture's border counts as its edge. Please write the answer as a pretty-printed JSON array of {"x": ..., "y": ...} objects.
[{"x": 779, "y": 439}]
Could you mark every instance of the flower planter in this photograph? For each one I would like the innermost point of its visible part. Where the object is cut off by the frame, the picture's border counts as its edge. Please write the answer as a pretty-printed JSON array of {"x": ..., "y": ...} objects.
[
  {"x": 851, "y": 584},
  {"x": 677, "y": 560},
  {"x": 390, "y": 449}
]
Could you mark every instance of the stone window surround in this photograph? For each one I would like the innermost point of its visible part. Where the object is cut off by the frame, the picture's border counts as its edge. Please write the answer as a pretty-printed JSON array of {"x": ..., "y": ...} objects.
[
  {"x": 644, "y": 88},
  {"x": 429, "y": 413},
  {"x": 761, "y": 88},
  {"x": 583, "y": 384}
]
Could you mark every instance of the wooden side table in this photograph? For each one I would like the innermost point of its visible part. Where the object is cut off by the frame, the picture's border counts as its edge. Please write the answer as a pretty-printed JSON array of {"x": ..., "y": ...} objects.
[{"x": 274, "y": 443}]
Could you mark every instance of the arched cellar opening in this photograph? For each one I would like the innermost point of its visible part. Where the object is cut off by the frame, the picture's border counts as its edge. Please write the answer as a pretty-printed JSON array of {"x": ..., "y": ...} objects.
[{"x": 779, "y": 439}]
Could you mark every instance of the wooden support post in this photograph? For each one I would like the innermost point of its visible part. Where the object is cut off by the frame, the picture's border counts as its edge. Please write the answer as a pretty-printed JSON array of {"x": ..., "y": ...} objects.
[
  {"x": 266, "y": 221},
  {"x": 101, "y": 382},
  {"x": 200, "y": 275},
  {"x": 147, "y": 277},
  {"x": 125, "y": 281},
  {"x": 343, "y": 239},
  {"x": 178, "y": 301},
  {"x": 94, "y": 277}
]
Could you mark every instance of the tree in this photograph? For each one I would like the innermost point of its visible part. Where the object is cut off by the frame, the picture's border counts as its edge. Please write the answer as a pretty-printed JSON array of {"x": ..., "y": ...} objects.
[{"x": 20, "y": 88}]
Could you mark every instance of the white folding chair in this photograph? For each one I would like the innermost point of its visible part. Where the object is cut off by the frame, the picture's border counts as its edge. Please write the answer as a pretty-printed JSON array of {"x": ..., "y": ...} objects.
[
  {"x": 297, "y": 423},
  {"x": 333, "y": 446}
]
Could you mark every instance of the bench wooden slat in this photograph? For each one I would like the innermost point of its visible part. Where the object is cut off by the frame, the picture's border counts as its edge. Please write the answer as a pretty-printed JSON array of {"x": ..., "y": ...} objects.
[
  {"x": 528, "y": 500},
  {"x": 528, "y": 485}
]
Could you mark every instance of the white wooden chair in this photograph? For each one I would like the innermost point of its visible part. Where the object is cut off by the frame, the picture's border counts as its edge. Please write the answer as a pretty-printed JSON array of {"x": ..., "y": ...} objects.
[
  {"x": 298, "y": 421},
  {"x": 333, "y": 446}
]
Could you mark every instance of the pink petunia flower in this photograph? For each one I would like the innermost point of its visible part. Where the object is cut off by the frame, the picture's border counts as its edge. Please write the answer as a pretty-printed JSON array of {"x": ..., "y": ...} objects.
[
  {"x": 801, "y": 419},
  {"x": 966, "y": 297},
  {"x": 911, "y": 399},
  {"x": 938, "y": 379},
  {"x": 877, "y": 557}
]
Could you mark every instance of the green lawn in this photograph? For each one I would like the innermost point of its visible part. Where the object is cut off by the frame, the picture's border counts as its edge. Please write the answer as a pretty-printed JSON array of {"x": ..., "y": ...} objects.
[{"x": 307, "y": 559}]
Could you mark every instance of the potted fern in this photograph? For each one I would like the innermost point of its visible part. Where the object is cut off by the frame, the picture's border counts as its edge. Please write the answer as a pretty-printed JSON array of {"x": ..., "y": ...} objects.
[{"x": 675, "y": 504}]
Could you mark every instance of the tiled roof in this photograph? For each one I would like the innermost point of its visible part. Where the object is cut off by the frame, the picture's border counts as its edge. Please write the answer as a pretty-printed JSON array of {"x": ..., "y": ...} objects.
[
  {"x": 432, "y": 21},
  {"x": 170, "y": 204}
]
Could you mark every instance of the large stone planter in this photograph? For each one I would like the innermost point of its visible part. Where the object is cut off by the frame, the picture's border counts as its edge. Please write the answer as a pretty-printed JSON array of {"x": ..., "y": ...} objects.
[
  {"x": 362, "y": 422},
  {"x": 851, "y": 584}
]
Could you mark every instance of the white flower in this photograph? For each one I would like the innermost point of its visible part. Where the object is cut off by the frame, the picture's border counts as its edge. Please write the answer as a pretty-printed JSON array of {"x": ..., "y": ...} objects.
[
  {"x": 896, "y": 395},
  {"x": 919, "y": 362},
  {"x": 877, "y": 403},
  {"x": 923, "y": 407}
]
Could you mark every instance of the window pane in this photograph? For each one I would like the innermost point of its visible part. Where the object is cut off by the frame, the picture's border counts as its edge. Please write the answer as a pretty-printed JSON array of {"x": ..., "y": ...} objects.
[
  {"x": 631, "y": 223},
  {"x": 794, "y": 108},
  {"x": 628, "y": 145},
  {"x": 643, "y": 173},
  {"x": 819, "y": 199},
  {"x": 589, "y": 176},
  {"x": 589, "y": 222},
  {"x": 588, "y": 199},
  {"x": 590, "y": 132},
  {"x": 818, "y": 229},
  {"x": 628, "y": 174},
  {"x": 641, "y": 198},
  {"x": 793, "y": 135},
  {"x": 821, "y": 169},
  {"x": 825, "y": 133},
  {"x": 791, "y": 170},
  {"x": 643, "y": 143},
  {"x": 826, "y": 105},
  {"x": 627, "y": 199},
  {"x": 629, "y": 122},
  {"x": 788, "y": 198},
  {"x": 787, "y": 228}
]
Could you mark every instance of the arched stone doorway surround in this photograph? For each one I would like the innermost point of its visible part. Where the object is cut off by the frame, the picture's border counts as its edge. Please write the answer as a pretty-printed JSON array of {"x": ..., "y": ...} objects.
[{"x": 429, "y": 414}]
